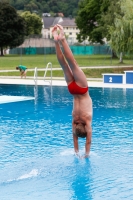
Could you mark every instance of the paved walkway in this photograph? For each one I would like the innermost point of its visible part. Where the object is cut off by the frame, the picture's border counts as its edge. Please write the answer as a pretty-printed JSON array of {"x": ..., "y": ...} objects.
[{"x": 61, "y": 82}]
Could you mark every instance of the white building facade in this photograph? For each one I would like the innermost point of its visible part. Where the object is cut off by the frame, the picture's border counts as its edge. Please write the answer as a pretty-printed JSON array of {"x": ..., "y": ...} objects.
[{"x": 68, "y": 24}]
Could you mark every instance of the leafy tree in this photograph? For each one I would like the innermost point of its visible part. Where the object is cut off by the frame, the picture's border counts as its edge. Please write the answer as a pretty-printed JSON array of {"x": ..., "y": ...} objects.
[
  {"x": 108, "y": 16},
  {"x": 122, "y": 31},
  {"x": 64, "y": 8},
  {"x": 19, "y": 5},
  {"x": 88, "y": 20},
  {"x": 94, "y": 18},
  {"x": 48, "y": 6},
  {"x": 31, "y": 7},
  {"x": 12, "y": 29},
  {"x": 73, "y": 8},
  {"x": 55, "y": 9},
  {"x": 33, "y": 23}
]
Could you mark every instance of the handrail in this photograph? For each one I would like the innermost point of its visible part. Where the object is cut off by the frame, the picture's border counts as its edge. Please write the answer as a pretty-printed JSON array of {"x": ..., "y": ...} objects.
[
  {"x": 46, "y": 72},
  {"x": 35, "y": 75}
]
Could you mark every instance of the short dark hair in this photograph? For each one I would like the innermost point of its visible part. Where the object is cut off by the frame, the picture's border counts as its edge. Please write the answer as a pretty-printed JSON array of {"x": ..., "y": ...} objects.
[
  {"x": 80, "y": 130},
  {"x": 17, "y": 67}
]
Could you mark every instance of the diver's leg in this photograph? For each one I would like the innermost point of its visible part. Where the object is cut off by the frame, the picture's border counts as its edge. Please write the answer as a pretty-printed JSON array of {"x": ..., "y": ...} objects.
[
  {"x": 78, "y": 74},
  {"x": 66, "y": 69}
]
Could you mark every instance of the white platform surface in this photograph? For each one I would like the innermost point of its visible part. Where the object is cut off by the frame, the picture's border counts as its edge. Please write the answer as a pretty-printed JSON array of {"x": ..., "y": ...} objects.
[
  {"x": 61, "y": 83},
  {"x": 9, "y": 99}
]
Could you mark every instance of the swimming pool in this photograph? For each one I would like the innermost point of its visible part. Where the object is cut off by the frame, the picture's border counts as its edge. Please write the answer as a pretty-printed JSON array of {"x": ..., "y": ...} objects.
[{"x": 36, "y": 150}]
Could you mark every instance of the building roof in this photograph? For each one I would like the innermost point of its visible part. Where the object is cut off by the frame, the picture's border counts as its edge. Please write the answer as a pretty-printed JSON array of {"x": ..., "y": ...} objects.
[
  {"x": 51, "y": 21},
  {"x": 68, "y": 22},
  {"x": 47, "y": 21}
]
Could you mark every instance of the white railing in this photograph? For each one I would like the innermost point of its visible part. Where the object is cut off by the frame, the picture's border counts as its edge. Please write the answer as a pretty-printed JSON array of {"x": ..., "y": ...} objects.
[
  {"x": 35, "y": 75},
  {"x": 44, "y": 77},
  {"x": 49, "y": 64}
]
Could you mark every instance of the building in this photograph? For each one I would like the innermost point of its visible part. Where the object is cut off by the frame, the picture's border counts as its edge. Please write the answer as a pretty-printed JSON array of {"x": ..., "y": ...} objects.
[
  {"x": 68, "y": 24},
  {"x": 47, "y": 23}
]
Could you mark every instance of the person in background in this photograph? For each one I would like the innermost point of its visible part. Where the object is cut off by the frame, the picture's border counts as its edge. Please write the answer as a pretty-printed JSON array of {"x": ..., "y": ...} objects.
[
  {"x": 23, "y": 70},
  {"x": 78, "y": 87}
]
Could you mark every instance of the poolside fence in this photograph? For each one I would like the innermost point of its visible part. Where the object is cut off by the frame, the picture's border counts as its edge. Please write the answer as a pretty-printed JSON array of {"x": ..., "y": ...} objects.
[
  {"x": 38, "y": 45},
  {"x": 77, "y": 50}
]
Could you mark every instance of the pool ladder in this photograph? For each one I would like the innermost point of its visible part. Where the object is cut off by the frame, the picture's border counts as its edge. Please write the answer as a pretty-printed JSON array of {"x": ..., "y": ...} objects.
[{"x": 36, "y": 74}]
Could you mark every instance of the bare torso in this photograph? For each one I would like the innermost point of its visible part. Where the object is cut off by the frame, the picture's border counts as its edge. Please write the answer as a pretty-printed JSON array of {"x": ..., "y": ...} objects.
[{"x": 82, "y": 108}]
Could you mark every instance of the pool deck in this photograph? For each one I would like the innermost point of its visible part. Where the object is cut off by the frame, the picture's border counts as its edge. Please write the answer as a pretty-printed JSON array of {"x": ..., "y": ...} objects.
[{"x": 59, "y": 82}]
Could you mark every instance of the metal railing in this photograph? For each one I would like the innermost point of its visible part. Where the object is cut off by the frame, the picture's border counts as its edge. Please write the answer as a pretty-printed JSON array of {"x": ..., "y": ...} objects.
[
  {"x": 49, "y": 64},
  {"x": 44, "y": 77}
]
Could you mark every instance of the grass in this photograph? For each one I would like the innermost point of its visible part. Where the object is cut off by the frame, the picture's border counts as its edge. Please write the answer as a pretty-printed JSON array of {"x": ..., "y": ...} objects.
[
  {"x": 9, "y": 62},
  {"x": 31, "y": 61}
]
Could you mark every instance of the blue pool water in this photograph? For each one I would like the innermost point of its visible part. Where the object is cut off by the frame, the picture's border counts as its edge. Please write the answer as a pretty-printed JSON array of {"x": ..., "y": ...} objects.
[{"x": 37, "y": 160}]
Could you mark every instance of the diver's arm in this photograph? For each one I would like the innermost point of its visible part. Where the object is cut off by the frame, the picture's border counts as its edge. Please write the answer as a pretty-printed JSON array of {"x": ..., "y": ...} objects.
[
  {"x": 75, "y": 142},
  {"x": 75, "y": 139},
  {"x": 88, "y": 140}
]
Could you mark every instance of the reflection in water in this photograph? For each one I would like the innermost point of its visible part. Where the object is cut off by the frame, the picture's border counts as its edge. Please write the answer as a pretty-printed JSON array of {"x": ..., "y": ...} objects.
[
  {"x": 81, "y": 183},
  {"x": 48, "y": 93},
  {"x": 36, "y": 94}
]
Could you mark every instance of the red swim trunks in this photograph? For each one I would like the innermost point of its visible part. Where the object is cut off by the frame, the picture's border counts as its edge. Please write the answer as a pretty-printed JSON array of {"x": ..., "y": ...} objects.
[{"x": 75, "y": 89}]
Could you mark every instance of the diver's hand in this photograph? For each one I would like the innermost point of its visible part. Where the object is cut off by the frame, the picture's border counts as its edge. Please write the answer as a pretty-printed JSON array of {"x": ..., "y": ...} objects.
[
  {"x": 85, "y": 156},
  {"x": 77, "y": 155},
  {"x": 61, "y": 34},
  {"x": 55, "y": 33}
]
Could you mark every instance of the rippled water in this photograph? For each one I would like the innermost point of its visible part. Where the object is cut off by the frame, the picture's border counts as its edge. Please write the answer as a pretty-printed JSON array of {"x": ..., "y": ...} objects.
[{"x": 37, "y": 160}]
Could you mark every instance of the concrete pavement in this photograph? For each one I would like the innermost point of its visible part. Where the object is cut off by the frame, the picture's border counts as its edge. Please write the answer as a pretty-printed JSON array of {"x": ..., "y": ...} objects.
[{"x": 59, "y": 82}]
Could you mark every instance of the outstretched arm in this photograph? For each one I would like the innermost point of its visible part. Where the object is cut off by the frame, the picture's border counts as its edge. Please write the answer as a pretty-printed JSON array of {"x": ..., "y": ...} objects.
[
  {"x": 87, "y": 144},
  {"x": 88, "y": 139},
  {"x": 75, "y": 138},
  {"x": 75, "y": 142}
]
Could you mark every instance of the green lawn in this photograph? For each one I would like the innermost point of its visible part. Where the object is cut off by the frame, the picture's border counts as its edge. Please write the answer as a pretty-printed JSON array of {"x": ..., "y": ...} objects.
[{"x": 31, "y": 61}]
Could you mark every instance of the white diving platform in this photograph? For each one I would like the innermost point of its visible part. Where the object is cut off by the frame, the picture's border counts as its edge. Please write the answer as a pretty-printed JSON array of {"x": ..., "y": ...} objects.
[{"x": 10, "y": 99}]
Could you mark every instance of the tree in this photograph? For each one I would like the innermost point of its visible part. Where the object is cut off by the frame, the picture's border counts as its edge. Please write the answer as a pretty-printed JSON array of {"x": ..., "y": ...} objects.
[
  {"x": 19, "y": 5},
  {"x": 31, "y": 7},
  {"x": 88, "y": 20},
  {"x": 12, "y": 29},
  {"x": 94, "y": 17},
  {"x": 107, "y": 17},
  {"x": 33, "y": 23},
  {"x": 122, "y": 31},
  {"x": 68, "y": 7}
]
